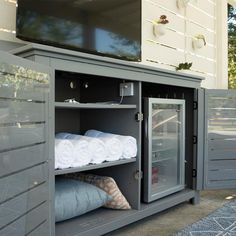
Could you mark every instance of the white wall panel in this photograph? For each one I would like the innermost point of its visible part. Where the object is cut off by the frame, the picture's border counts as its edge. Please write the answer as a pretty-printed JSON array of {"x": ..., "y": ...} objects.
[
  {"x": 201, "y": 65},
  {"x": 171, "y": 38},
  {"x": 194, "y": 29},
  {"x": 8, "y": 15},
  {"x": 199, "y": 17},
  {"x": 167, "y": 51},
  {"x": 152, "y": 11},
  {"x": 162, "y": 54},
  {"x": 206, "y": 52}
]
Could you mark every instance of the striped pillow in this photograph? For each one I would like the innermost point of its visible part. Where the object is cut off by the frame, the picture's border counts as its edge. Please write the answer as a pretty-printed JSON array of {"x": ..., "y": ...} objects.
[{"x": 108, "y": 185}]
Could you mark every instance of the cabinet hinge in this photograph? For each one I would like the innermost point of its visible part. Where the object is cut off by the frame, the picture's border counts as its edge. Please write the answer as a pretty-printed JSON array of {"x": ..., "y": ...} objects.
[
  {"x": 194, "y": 173},
  {"x": 194, "y": 139},
  {"x": 195, "y": 105},
  {"x": 138, "y": 174},
  {"x": 139, "y": 116}
]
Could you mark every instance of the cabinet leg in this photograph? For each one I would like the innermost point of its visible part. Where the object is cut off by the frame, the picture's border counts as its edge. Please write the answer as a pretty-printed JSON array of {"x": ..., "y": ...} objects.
[{"x": 196, "y": 199}]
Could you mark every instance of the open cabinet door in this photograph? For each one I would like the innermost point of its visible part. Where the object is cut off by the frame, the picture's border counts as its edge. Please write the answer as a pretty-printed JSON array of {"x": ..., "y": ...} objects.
[
  {"x": 220, "y": 139},
  {"x": 24, "y": 147}
]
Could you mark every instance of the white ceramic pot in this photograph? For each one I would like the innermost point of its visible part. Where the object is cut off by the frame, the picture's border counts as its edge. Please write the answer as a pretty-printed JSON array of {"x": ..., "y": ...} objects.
[
  {"x": 159, "y": 29},
  {"x": 198, "y": 43},
  {"x": 182, "y": 3}
]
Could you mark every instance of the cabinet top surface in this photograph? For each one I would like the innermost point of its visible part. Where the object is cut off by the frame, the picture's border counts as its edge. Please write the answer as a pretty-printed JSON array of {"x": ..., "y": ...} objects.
[{"x": 60, "y": 59}]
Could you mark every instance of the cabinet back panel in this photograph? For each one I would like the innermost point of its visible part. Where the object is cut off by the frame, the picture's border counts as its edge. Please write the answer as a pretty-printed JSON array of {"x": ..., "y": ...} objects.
[{"x": 67, "y": 121}]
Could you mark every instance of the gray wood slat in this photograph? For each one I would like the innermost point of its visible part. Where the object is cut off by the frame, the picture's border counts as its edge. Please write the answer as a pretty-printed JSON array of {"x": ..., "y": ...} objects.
[
  {"x": 222, "y": 135},
  {"x": 23, "y": 72},
  {"x": 222, "y": 154},
  {"x": 222, "y": 101},
  {"x": 224, "y": 184},
  {"x": 21, "y": 111},
  {"x": 17, "y": 207},
  {"x": 222, "y": 165},
  {"x": 221, "y": 144},
  {"x": 222, "y": 174},
  {"x": 42, "y": 230},
  {"x": 18, "y": 183},
  {"x": 34, "y": 93},
  {"x": 17, "y": 136},
  {"x": 19, "y": 159},
  {"x": 218, "y": 113},
  {"x": 34, "y": 221}
]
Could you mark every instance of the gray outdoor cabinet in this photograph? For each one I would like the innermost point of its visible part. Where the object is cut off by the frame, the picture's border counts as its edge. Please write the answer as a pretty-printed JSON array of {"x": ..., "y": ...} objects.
[
  {"x": 94, "y": 82},
  {"x": 25, "y": 155}
]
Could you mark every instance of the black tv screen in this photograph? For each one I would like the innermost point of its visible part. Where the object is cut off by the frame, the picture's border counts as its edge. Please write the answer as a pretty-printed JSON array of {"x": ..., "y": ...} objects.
[{"x": 105, "y": 27}]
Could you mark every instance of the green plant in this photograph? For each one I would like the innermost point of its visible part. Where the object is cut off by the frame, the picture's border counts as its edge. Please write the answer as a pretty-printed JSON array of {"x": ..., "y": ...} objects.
[{"x": 184, "y": 66}]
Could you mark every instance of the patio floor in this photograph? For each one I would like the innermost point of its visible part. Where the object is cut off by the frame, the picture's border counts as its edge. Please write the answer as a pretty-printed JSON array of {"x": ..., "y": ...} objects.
[{"x": 177, "y": 218}]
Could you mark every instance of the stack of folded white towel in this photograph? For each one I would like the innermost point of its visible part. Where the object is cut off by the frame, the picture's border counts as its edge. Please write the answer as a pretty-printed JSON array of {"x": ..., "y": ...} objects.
[{"x": 94, "y": 147}]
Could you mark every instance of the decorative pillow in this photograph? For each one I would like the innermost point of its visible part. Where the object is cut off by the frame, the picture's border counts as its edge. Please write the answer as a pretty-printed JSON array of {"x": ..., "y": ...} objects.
[
  {"x": 109, "y": 185},
  {"x": 74, "y": 198}
]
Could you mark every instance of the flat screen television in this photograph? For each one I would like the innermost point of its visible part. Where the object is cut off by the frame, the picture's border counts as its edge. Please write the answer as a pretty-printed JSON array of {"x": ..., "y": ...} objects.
[{"x": 105, "y": 27}]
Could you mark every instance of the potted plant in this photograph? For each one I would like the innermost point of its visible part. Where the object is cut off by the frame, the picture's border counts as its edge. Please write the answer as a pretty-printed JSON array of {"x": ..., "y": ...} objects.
[
  {"x": 199, "y": 41},
  {"x": 159, "y": 25},
  {"x": 182, "y": 3},
  {"x": 184, "y": 66}
]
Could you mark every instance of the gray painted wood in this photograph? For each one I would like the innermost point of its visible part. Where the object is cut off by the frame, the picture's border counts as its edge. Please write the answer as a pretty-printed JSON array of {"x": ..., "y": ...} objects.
[
  {"x": 93, "y": 167},
  {"x": 20, "y": 135},
  {"x": 116, "y": 120},
  {"x": 20, "y": 159},
  {"x": 28, "y": 224},
  {"x": 22, "y": 204},
  {"x": 93, "y": 106},
  {"x": 96, "y": 65},
  {"x": 40, "y": 230},
  {"x": 15, "y": 184},
  {"x": 199, "y": 123},
  {"x": 103, "y": 221},
  {"x": 24, "y": 145},
  {"x": 220, "y": 143},
  {"x": 12, "y": 111},
  {"x": 35, "y": 94}
]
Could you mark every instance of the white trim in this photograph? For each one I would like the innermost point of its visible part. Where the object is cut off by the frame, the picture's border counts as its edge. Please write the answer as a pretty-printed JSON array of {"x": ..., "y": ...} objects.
[{"x": 222, "y": 43}]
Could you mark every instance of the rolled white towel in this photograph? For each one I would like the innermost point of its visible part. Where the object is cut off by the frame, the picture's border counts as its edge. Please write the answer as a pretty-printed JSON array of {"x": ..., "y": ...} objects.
[
  {"x": 96, "y": 148},
  {"x": 62, "y": 135},
  {"x": 129, "y": 146},
  {"x": 113, "y": 145},
  {"x": 81, "y": 154},
  {"x": 129, "y": 143},
  {"x": 63, "y": 153}
]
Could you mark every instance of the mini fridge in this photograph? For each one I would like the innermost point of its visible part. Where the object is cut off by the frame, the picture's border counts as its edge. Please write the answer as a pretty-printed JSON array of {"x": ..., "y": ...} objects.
[{"x": 164, "y": 147}]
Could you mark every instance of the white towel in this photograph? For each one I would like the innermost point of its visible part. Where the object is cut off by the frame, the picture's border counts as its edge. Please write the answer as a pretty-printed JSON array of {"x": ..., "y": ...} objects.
[
  {"x": 113, "y": 145},
  {"x": 129, "y": 143},
  {"x": 63, "y": 153},
  {"x": 96, "y": 148}
]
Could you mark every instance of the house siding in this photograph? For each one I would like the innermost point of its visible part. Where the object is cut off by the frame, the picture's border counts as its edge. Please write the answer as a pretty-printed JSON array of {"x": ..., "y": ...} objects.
[{"x": 166, "y": 51}]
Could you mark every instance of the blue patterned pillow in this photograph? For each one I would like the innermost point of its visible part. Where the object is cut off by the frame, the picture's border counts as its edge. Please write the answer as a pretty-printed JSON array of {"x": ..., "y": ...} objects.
[{"x": 74, "y": 198}]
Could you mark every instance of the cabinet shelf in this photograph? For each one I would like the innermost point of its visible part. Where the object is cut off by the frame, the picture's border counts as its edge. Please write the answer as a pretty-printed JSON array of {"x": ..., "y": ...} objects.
[
  {"x": 64, "y": 105},
  {"x": 94, "y": 166},
  {"x": 99, "y": 221}
]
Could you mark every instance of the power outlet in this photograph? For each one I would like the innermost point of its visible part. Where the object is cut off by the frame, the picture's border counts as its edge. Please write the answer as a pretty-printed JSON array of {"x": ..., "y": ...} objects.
[{"x": 126, "y": 89}]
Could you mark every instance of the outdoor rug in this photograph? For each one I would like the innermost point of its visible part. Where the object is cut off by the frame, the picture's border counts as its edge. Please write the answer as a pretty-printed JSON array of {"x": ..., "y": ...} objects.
[{"x": 221, "y": 222}]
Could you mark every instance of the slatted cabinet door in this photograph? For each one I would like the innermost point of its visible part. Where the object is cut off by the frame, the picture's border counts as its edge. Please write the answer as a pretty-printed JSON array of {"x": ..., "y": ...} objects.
[
  {"x": 24, "y": 147},
  {"x": 220, "y": 139}
]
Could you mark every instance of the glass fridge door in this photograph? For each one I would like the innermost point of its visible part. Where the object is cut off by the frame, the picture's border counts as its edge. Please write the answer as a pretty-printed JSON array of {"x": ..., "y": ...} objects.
[{"x": 165, "y": 147}]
